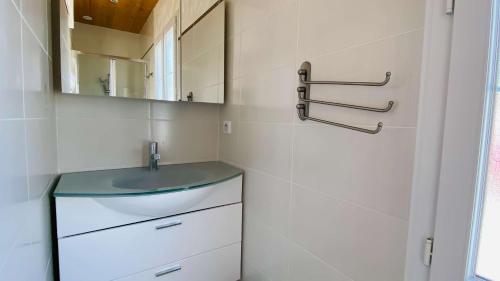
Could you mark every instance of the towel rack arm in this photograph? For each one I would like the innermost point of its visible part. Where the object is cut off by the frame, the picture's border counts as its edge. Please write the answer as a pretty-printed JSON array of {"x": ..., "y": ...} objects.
[
  {"x": 305, "y": 76},
  {"x": 303, "y": 117}
]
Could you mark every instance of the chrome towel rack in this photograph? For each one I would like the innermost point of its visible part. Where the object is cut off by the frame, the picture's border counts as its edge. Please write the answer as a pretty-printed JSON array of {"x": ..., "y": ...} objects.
[
  {"x": 302, "y": 91},
  {"x": 303, "y": 117},
  {"x": 304, "y": 99},
  {"x": 304, "y": 71}
]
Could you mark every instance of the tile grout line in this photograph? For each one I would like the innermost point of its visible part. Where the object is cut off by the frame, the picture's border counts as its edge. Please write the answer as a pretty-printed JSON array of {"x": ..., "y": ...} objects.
[
  {"x": 310, "y": 124},
  {"x": 219, "y": 134},
  {"x": 47, "y": 267},
  {"x": 292, "y": 146},
  {"x": 315, "y": 256},
  {"x": 25, "y": 21},
  {"x": 302, "y": 247},
  {"x": 11, "y": 248},
  {"x": 56, "y": 122},
  {"x": 349, "y": 202},
  {"x": 367, "y": 43},
  {"x": 25, "y": 124},
  {"x": 366, "y": 208}
]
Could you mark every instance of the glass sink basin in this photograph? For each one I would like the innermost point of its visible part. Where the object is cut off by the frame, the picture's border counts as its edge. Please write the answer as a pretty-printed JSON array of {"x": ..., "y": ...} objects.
[
  {"x": 151, "y": 180},
  {"x": 142, "y": 181}
]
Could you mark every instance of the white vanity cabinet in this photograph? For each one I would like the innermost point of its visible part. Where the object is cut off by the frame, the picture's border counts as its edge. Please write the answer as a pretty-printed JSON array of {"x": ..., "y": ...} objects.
[{"x": 203, "y": 243}]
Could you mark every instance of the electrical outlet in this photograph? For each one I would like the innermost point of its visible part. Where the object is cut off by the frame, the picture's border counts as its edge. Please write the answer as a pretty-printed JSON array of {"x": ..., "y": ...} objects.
[{"x": 226, "y": 127}]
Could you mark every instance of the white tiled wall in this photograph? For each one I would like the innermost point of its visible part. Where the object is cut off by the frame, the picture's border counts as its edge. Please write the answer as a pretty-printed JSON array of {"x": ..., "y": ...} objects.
[
  {"x": 323, "y": 203},
  {"x": 28, "y": 159},
  {"x": 97, "y": 133}
]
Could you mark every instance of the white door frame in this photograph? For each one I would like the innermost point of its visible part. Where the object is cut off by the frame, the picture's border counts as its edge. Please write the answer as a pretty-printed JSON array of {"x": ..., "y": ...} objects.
[
  {"x": 430, "y": 127},
  {"x": 465, "y": 123}
]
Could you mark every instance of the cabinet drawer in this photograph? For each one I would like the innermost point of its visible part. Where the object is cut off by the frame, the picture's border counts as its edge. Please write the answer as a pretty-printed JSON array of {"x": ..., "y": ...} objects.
[
  {"x": 218, "y": 265},
  {"x": 121, "y": 251}
]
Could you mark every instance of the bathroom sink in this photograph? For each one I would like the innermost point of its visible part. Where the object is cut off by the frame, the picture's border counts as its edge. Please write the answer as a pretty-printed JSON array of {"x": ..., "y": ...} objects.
[
  {"x": 142, "y": 181},
  {"x": 147, "y": 180},
  {"x": 122, "y": 196}
]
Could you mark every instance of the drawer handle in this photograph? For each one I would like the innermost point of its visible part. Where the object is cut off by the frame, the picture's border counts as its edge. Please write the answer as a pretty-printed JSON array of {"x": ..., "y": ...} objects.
[
  {"x": 168, "y": 270},
  {"x": 168, "y": 224}
]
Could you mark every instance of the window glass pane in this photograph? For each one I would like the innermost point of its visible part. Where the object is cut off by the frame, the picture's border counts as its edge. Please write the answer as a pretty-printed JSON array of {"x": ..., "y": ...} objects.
[
  {"x": 158, "y": 70},
  {"x": 488, "y": 260},
  {"x": 169, "y": 74}
]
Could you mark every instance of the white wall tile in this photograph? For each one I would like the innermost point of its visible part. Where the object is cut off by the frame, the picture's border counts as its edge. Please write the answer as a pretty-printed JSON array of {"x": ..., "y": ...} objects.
[
  {"x": 49, "y": 275},
  {"x": 17, "y": 3},
  {"x": 17, "y": 266},
  {"x": 306, "y": 266},
  {"x": 25, "y": 243},
  {"x": 271, "y": 42},
  {"x": 233, "y": 56},
  {"x": 74, "y": 106},
  {"x": 267, "y": 200},
  {"x": 35, "y": 13},
  {"x": 186, "y": 141},
  {"x": 41, "y": 155},
  {"x": 11, "y": 98},
  {"x": 268, "y": 96},
  {"x": 228, "y": 148},
  {"x": 251, "y": 274},
  {"x": 40, "y": 236},
  {"x": 94, "y": 144},
  {"x": 372, "y": 171},
  {"x": 328, "y": 26},
  {"x": 38, "y": 99},
  {"x": 246, "y": 13},
  {"x": 185, "y": 131},
  {"x": 229, "y": 145},
  {"x": 264, "y": 250},
  {"x": 184, "y": 111},
  {"x": 13, "y": 184},
  {"x": 266, "y": 147},
  {"x": 362, "y": 244}
]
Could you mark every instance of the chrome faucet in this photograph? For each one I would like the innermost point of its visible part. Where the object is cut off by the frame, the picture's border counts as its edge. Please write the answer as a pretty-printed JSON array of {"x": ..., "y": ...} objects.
[{"x": 153, "y": 156}]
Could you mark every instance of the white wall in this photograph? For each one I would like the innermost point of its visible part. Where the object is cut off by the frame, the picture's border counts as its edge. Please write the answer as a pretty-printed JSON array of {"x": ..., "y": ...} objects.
[
  {"x": 106, "y": 41},
  {"x": 321, "y": 202},
  {"x": 27, "y": 140},
  {"x": 97, "y": 133}
]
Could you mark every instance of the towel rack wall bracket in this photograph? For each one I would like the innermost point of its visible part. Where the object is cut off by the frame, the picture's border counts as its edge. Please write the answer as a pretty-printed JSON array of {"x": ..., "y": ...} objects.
[{"x": 304, "y": 90}]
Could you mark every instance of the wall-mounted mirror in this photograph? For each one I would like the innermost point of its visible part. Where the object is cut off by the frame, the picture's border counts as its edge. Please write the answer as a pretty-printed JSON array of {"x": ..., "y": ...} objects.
[
  {"x": 167, "y": 50},
  {"x": 202, "y": 55}
]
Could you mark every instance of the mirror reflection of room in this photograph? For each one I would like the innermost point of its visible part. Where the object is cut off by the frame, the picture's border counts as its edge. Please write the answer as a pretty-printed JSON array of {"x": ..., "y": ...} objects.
[{"x": 113, "y": 55}]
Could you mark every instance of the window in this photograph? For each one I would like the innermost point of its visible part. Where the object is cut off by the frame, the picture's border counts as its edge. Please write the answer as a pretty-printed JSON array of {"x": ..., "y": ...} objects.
[
  {"x": 488, "y": 255},
  {"x": 165, "y": 63}
]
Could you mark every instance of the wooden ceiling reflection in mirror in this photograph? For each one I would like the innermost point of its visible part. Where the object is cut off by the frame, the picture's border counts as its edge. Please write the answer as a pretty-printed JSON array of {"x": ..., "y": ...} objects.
[{"x": 124, "y": 15}]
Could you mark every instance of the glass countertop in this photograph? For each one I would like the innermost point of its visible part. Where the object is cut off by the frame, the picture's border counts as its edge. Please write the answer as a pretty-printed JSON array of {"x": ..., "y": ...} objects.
[{"x": 142, "y": 181}]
